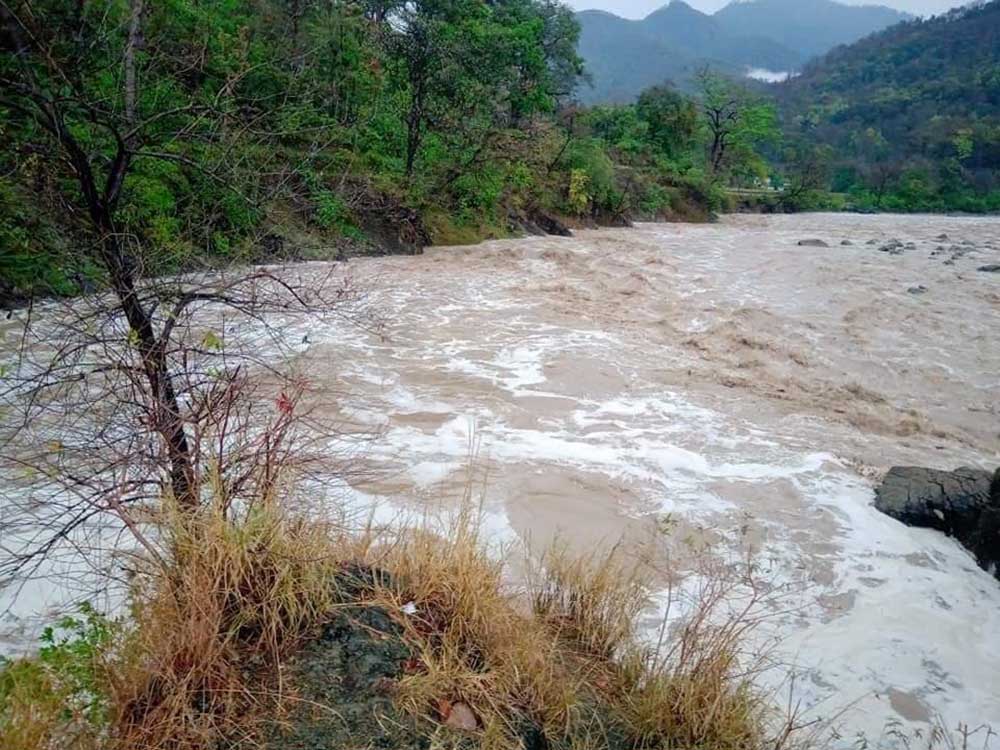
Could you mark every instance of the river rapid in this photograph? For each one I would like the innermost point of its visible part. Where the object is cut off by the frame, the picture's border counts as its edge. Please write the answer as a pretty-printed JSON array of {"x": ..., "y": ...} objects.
[{"x": 712, "y": 390}]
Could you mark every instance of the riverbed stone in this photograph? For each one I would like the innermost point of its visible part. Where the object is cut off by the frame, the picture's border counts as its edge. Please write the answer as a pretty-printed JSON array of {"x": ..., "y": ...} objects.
[
  {"x": 964, "y": 504},
  {"x": 812, "y": 243},
  {"x": 991, "y": 268}
]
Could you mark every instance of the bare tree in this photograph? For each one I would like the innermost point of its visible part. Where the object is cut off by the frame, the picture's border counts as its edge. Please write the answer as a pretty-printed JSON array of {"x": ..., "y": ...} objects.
[
  {"x": 736, "y": 120},
  {"x": 158, "y": 392}
]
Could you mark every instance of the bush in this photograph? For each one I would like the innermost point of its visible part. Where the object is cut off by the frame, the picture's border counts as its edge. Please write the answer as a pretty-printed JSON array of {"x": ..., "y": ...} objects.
[{"x": 59, "y": 698}]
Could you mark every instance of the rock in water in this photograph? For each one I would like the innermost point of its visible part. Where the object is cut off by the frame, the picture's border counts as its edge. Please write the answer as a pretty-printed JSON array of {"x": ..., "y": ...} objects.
[
  {"x": 812, "y": 243},
  {"x": 994, "y": 268},
  {"x": 964, "y": 503}
]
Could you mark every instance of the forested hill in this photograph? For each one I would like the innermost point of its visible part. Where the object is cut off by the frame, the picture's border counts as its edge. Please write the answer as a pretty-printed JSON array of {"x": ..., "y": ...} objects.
[
  {"x": 912, "y": 114},
  {"x": 671, "y": 44},
  {"x": 810, "y": 27}
]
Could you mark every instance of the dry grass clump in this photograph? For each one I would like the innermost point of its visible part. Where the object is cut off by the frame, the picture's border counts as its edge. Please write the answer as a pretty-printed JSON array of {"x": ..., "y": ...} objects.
[
  {"x": 692, "y": 687},
  {"x": 211, "y": 628},
  {"x": 473, "y": 641},
  {"x": 566, "y": 658},
  {"x": 560, "y": 664}
]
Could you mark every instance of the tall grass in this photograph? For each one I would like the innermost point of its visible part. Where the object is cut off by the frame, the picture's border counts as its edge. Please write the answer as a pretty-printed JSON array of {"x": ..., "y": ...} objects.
[
  {"x": 211, "y": 629},
  {"x": 558, "y": 661}
]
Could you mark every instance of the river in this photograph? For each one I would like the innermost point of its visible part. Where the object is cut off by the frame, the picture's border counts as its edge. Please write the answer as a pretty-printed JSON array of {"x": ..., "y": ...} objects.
[{"x": 713, "y": 390}]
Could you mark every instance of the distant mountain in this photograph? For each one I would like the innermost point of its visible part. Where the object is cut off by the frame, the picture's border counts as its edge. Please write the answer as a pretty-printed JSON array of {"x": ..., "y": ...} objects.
[
  {"x": 810, "y": 27},
  {"x": 923, "y": 96},
  {"x": 624, "y": 57}
]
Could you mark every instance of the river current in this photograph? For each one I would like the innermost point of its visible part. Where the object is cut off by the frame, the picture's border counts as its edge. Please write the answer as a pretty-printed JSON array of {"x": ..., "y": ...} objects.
[{"x": 720, "y": 390}]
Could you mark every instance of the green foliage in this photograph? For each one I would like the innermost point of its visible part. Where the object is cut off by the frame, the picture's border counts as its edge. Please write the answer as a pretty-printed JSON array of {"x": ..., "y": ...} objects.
[
  {"x": 60, "y": 690},
  {"x": 330, "y": 209},
  {"x": 578, "y": 200},
  {"x": 738, "y": 123},
  {"x": 912, "y": 114},
  {"x": 251, "y": 116},
  {"x": 30, "y": 256}
]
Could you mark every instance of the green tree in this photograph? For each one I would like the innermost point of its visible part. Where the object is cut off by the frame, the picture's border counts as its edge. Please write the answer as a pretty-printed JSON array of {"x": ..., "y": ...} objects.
[
  {"x": 737, "y": 122},
  {"x": 671, "y": 117}
]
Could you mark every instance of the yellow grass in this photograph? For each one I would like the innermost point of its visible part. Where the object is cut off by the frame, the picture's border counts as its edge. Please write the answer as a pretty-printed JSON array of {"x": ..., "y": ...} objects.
[{"x": 560, "y": 656}]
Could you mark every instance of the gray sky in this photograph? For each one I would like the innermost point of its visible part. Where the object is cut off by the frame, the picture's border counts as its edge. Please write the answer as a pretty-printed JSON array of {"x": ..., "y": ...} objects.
[{"x": 640, "y": 8}]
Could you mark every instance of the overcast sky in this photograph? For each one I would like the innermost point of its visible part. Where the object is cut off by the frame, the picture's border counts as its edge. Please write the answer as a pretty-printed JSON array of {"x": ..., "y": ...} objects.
[{"x": 640, "y": 8}]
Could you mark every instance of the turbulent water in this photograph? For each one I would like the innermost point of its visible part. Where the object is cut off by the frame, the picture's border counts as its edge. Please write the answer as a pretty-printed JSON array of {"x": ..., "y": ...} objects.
[{"x": 720, "y": 390}]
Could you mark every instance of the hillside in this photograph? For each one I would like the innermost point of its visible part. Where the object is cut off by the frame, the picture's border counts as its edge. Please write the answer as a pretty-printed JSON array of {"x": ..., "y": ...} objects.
[
  {"x": 624, "y": 57},
  {"x": 912, "y": 112},
  {"x": 810, "y": 27}
]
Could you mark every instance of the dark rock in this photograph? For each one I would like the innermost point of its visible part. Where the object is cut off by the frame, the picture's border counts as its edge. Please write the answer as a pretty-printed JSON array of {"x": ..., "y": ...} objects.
[
  {"x": 846, "y": 243},
  {"x": 272, "y": 246},
  {"x": 964, "y": 504},
  {"x": 992, "y": 268},
  {"x": 893, "y": 247},
  {"x": 942, "y": 238},
  {"x": 921, "y": 289},
  {"x": 872, "y": 242},
  {"x": 345, "y": 677},
  {"x": 812, "y": 243},
  {"x": 549, "y": 224}
]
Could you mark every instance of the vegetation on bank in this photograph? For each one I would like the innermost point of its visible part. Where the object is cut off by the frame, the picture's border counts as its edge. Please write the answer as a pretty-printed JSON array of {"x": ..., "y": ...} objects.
[
  {"x": 907, "y": 119},
  {"x": 260, "y": 627},
  {"x": 249, "y": 130},
  {"x": 255, "y": 130}
]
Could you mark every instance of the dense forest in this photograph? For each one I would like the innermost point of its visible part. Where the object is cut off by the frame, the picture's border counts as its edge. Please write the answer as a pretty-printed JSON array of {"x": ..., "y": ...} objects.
[
  {"x": 199, "y": 134},
  {"x": 907, "y": 119},
  {"x": 190, "y": 133}
]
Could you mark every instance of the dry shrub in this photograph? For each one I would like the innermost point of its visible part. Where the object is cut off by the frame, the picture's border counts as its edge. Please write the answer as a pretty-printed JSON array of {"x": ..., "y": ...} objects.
[
  {"x": 693, "y": 685},
  {"x": 213, "y": 625},
  {"x": 473, "y": 641},
  {"x": 562, "y": 664},
  {"x": 574, "y": 665}
]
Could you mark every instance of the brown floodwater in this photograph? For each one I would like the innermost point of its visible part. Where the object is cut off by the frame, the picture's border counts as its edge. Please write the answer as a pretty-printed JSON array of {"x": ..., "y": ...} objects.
[{"x": 710, "y": 390}]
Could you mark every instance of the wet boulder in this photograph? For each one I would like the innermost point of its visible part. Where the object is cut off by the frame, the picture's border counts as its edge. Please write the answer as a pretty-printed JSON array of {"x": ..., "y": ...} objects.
[
  {"x": 812, "y": 243},
  {"x": 549, "y": 224},
  {"x": 992, "y": 268},
  {"x": 964, "y": 504}
]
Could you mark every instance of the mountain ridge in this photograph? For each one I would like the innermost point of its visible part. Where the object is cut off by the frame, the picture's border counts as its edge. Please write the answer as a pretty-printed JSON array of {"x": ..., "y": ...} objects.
[{"x": 625, "y": 56}]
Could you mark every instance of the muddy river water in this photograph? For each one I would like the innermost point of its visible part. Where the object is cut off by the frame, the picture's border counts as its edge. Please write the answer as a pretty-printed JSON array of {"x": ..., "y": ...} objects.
[{"x": 718, "y": 388}]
